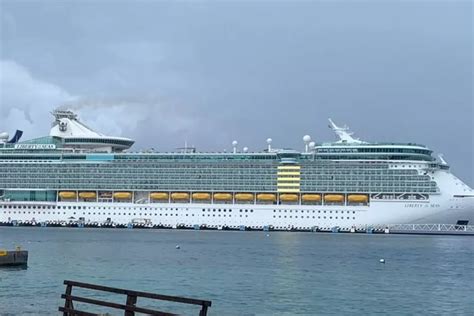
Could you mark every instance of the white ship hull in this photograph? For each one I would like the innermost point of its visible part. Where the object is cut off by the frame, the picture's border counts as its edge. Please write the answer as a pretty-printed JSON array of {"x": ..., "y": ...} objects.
[{"x": 298, "y": 217}]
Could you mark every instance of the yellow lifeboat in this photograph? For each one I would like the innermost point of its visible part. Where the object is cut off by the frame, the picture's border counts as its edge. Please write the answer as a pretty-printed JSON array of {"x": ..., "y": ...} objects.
[
  {"x": 222, "y": 196},
  {"x": 289, "y": 197},
  {"x": 266, "y": 197},
  {"x": 334, "y": 198},
  {"x": 122, "y": 195},
  {"x": 357, "y": 198},
  {"x": 201, "y": 196},
  {"x": 87, "y": 195},
  {"x": 180, "y": 196},
  {"x": 244, "y": 197},
  {"x": 159, "y": 195},
  {"x": 311, "y": 197},
  {"x": 67, "y": 195}
]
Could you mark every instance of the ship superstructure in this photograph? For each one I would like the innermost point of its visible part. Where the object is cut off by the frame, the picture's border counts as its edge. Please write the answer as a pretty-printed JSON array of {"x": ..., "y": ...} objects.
[{"x": 77, "y": 174}]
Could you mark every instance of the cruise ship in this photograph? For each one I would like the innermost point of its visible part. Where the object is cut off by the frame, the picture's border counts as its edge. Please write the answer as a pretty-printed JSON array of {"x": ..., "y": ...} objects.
[{"x": 77, "y": 176}]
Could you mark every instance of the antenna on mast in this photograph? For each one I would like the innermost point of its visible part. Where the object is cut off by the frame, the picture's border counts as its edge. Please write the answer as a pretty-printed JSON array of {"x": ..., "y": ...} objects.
[
  {"x": 234, "y": 146},
  {"x": 269, "y": 143},
  {"x": 306, "y": 140}
]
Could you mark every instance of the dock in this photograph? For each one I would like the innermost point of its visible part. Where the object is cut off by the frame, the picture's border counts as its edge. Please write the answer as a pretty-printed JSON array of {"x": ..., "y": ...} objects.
[
  {"x": 409, "y": 229},
  {"x": 13, "y": 258},
  {"x": 431, "y": 229}
]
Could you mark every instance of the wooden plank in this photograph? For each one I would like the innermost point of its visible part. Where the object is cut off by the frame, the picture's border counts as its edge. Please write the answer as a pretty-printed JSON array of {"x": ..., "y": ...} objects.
[
  {"x": 117, "y": 306},
  {"x": 73, "y": 312}
]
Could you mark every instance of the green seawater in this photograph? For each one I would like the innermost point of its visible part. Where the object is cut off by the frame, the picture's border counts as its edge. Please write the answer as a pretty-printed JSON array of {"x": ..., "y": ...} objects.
[{"x": 245, "y": 273}]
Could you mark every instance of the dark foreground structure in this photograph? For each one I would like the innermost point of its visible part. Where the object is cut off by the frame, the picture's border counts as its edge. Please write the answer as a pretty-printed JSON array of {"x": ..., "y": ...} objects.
[
  {"x": 129, "y": 308},
  {"x": 14, "y": 258}
]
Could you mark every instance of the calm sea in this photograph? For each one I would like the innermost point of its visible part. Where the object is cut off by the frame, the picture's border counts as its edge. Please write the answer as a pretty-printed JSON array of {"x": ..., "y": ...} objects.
[{"x": 246, "y": 273}]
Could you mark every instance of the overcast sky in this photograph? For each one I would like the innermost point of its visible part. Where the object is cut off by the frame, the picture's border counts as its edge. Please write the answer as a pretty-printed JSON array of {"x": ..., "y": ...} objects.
[{"x": 207, "y": 73}]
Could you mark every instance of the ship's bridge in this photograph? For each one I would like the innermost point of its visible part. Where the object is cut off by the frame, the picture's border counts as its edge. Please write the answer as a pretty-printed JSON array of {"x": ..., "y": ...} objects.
[{"x": 78, "y": 136}]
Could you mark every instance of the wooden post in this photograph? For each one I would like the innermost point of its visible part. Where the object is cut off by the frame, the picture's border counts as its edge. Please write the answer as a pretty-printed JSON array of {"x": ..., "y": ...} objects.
[
  {"x": 68, "y": 302},
  {"x": 203, "y": 311},
  {"x": 131, "y": 301}
]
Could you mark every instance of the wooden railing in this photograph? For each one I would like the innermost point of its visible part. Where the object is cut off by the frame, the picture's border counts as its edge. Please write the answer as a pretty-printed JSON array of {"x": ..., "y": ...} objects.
[{"x": 129, "y": 307}]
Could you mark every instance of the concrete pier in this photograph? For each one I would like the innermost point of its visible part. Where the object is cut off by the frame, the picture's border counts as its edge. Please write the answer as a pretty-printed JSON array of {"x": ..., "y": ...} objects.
[{"x": 16, "y": 257}]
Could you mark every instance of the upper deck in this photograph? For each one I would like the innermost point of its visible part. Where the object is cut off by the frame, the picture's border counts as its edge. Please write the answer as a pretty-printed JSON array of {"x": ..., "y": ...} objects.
[
  {"x": 70, "y": 139},
  {"x": 61, "y": 162}
]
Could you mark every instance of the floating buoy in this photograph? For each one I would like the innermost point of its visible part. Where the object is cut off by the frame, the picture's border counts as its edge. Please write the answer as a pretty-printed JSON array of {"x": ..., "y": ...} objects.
[
  {"x": 382, "y": 260},
  {"x": 178, "y": 247},
  {"x": 268, "y": 235}
]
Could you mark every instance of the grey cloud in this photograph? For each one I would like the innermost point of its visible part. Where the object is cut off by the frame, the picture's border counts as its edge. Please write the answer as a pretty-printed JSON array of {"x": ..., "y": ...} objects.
[{"x": 211, "y": 72}]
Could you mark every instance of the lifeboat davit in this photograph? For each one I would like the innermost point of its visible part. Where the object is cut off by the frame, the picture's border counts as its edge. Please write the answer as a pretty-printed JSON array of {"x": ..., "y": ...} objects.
[
  {"x": 105, "y": 195},
  {"x": 266, "y": 197},
  {"x": 67, "y": 195},
  {"x": 244, "y": 197},
  {"x": 334, "y": 198},
  {"x": 201, "y": 196},
  {"x": 122, "y": 195},
  {"x": 87, "y": 195},
  {"x": 180, "y": 196},
  {"x": 289, "y": 197},
  {"x": 159, "y": 195},
  {"x": 311, "y": 197},
  {"x": 222, "y": 196},
  {"x": 357, "y": 198}
]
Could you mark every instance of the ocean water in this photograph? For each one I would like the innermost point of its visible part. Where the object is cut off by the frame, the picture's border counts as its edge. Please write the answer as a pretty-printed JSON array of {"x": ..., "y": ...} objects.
[{"x": 245, "y": 273}]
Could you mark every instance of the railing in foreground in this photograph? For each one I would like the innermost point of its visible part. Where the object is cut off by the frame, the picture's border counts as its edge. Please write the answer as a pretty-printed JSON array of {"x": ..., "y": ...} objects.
[{"x": 129, "y": 307}]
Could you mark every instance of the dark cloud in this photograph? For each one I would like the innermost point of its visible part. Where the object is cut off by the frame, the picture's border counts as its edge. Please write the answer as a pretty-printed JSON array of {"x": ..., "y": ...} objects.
[{"x": 211, "y": 72}]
